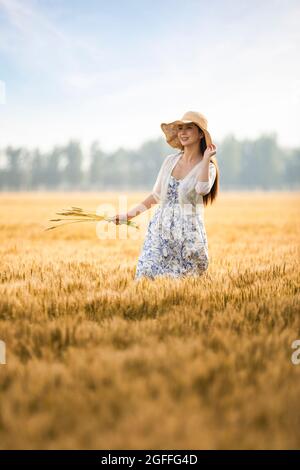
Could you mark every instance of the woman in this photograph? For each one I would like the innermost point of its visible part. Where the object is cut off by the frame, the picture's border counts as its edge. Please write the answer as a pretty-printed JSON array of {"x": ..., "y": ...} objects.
[{"x": 176, "y": 244}]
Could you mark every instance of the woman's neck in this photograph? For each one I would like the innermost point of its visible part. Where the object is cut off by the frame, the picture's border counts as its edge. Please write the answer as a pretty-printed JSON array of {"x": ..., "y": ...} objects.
[{"x": 191, "y": 154}]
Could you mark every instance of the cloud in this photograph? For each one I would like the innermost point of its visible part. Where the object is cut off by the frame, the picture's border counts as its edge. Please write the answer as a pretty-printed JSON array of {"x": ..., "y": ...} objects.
[
  {"x": 118, "y": 84},
  {"x": 38, "y": 44}
]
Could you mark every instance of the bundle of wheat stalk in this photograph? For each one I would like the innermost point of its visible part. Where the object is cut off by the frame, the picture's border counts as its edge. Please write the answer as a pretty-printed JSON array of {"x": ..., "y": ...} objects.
[{"x": 84, "y": 216}]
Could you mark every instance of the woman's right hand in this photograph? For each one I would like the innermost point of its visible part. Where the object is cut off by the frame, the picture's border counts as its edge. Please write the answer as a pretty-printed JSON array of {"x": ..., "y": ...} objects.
[{"x": 118, "y": 218}]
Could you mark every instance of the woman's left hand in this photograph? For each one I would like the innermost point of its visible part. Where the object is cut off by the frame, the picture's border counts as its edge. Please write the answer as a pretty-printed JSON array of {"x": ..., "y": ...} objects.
[{"x": 210, "y": 151}]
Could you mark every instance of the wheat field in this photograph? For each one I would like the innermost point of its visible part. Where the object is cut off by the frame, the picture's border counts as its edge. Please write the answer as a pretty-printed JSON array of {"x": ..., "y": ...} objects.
[{"x": 96, "y": 360}]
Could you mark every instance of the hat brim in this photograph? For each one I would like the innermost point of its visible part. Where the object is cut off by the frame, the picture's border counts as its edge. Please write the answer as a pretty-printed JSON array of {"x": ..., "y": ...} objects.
[{"x": 170, "y": 131}]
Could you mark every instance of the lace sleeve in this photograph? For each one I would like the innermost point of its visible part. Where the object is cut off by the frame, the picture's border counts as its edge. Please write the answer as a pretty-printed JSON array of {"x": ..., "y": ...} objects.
[{"x": 204, "y": 187}]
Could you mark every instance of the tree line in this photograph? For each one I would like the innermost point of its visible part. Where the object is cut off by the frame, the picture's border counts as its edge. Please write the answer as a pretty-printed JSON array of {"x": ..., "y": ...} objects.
[{"x": 244, "y": 164}]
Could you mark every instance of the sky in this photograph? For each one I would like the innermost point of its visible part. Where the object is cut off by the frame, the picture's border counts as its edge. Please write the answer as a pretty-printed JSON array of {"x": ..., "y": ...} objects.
[{"x": 113, "y": 71}]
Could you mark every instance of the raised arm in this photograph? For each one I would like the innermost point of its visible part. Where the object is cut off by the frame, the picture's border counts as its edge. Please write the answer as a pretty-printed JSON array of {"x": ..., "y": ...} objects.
[{"x": 206, "y": 177}]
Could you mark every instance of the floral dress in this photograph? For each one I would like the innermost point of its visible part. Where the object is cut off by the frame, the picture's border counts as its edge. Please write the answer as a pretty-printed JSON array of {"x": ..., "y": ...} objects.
[{"x": 175, "y": 244}]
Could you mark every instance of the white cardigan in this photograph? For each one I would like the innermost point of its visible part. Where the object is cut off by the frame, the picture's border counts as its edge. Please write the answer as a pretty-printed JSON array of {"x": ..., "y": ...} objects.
[{"x": 190, "y": 191}]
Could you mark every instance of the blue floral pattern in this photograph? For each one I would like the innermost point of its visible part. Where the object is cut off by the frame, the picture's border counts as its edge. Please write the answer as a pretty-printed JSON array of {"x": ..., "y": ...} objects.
[{"x": 176, "y": 243}]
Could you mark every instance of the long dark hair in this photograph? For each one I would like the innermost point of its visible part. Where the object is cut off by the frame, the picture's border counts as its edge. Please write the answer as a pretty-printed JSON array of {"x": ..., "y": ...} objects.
[{"x": 211, "y": 196}]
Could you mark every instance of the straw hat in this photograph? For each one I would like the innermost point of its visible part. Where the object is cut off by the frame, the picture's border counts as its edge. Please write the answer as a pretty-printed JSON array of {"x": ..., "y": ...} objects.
[{"x": 170, "y": 129}]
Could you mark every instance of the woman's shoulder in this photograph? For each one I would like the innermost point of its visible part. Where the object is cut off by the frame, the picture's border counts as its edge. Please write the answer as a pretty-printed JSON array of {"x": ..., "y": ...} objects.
[{"x": 171, "y": 157}]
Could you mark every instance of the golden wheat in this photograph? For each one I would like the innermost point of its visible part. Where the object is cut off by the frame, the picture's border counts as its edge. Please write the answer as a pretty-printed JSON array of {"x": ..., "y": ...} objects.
[
  {"x": 84, "y": 216},
  {"x": 96, "y": 360}
]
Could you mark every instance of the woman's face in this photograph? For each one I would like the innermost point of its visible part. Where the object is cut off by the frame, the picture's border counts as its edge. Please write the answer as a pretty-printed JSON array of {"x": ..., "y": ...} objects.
[{"x": 189, "y": 133}]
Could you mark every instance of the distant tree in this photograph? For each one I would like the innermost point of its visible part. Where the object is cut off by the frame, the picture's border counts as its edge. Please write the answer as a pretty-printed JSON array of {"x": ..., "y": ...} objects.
[
  {"x": 54, "y": 163},
  {"x": 261, "y": 163},
  {"x": 269, "y": 160},
  {"x": 249, "y": 164},
  {"x": 229, "y": 160},
  {"x": 72, "y": 173},
  {"x": 96, "y": 173},
  {"x": 14, "y": 167},
  {"x": 148, "y": 160},
  {"x": 3, "y": 169},
  {"x": 292, "y": 169},
  {"x": 37, "y": 178}
]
